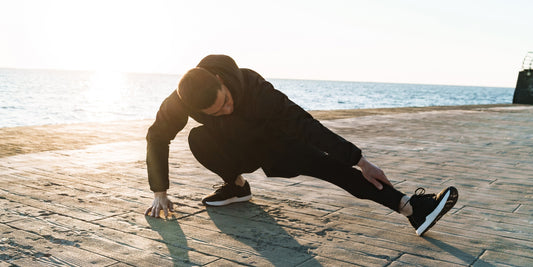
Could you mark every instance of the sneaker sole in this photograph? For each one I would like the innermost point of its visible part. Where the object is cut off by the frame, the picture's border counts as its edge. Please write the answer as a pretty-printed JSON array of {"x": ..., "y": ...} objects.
[
  {"x": 445, "y": 204},
  {"x": 228, "y": 201}
]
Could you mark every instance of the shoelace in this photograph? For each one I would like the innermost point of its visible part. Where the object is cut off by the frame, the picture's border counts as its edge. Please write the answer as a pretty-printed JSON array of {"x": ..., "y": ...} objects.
[
  {"x": 421, "y": 192},
  {"x": 418, "y": 192},
  {"x": 219, "y": 185}
]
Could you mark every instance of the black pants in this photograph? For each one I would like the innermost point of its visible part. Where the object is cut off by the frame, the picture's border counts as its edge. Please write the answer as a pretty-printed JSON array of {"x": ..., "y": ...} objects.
[{"x": 229, "y": 160}]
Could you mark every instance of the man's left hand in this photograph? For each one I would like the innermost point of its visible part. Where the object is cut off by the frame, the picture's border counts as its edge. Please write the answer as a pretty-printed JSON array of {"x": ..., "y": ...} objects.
[{"x": 373, "y": 174}]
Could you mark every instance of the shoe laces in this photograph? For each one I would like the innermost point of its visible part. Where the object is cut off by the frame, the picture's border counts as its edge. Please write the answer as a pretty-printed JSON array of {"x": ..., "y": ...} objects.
[
  {"x": 219, "y": 185},
  {"x": 420, "y": 201},
  {"x": 420, "y": 192}
]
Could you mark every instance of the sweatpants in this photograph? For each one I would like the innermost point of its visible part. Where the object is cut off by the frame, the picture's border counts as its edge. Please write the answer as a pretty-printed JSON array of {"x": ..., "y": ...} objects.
[{"x": 231, "y": 159}]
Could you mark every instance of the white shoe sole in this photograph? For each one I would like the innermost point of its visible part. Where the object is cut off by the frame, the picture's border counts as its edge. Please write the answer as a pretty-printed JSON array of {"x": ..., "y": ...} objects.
[
  {"x": 228, "y": 201},
  {"x": 433, "y": 215}
]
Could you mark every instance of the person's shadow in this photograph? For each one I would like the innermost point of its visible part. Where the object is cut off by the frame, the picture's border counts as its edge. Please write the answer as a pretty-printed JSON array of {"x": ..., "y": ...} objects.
[
  {"x": 173, "y": 237},
  {"x": 461, "y": 255},
  {"x": 251, "y": 225}
]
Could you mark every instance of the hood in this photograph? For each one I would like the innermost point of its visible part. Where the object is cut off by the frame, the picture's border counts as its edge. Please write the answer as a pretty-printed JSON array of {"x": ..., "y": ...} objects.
[{"x": 225, "y": 67}]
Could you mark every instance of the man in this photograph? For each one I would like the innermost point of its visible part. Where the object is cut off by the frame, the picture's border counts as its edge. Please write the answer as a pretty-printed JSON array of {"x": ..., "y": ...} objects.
[{"x": 247, "y": 125}]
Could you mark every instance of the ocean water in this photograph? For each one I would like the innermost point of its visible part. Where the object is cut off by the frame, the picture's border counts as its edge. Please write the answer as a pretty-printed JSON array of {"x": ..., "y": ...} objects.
[{"x": 41, "y": 97}]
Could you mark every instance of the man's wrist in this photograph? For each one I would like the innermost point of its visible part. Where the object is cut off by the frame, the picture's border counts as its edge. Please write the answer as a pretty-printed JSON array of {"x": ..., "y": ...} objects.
[
  {"x": 160, "y": 194},
  {"x": 361, "y": 162}
]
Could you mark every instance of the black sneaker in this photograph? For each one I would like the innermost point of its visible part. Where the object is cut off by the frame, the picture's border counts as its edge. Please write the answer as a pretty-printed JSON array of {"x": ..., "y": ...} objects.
[
  {"x": 429, "y": 208},
  {"x": 227, "y": 194}
]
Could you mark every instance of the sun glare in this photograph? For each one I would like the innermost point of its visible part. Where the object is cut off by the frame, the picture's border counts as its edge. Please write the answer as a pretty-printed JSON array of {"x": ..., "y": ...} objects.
[
  {"x": 105, "y": 83},
  {"x": 105, "y": 89}
]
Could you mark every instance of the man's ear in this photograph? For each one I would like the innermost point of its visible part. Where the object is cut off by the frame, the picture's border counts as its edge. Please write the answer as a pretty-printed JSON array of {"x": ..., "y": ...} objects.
[{"x": 220, "y": 79}]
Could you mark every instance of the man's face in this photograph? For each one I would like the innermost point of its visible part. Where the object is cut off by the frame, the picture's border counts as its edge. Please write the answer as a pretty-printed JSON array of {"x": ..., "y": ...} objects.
[{"x": 223, "y": 103}]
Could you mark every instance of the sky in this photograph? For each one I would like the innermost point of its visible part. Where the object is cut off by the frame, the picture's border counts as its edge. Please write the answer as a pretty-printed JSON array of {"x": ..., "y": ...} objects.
[{"x": 455, "y": 42}]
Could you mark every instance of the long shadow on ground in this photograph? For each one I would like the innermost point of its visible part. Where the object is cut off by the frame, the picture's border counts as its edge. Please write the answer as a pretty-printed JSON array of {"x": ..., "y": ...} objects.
[
  {"x": 250, "y": 224},
  {"x": 173, "y": 238},
  {"x": 460, "y": 254}
]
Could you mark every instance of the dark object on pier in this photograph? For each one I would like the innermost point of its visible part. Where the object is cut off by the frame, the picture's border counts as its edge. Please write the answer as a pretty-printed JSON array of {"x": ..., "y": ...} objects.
[{"x": 523, "y": 93}]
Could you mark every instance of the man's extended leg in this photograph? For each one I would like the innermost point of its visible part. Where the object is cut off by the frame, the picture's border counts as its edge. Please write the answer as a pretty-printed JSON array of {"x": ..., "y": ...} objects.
[
  {"x": 422, "y": 210},
  {"x": 306, "y": 160}
]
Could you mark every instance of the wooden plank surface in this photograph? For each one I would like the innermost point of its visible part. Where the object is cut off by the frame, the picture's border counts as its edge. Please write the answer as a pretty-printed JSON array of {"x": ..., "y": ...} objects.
[{"x": 74, "y": 195}]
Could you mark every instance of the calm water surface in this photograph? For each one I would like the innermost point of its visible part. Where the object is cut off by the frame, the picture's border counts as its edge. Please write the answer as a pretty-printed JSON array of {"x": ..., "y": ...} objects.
[{"x": 40, "y": 97}]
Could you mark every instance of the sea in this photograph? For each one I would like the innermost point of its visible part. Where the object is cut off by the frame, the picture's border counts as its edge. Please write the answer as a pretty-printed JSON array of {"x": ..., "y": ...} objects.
[{"x": 44, "y": 97}]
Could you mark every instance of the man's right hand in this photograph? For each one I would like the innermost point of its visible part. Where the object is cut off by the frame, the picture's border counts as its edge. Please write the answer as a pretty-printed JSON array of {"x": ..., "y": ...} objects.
[{"x": 161, "y": 202}]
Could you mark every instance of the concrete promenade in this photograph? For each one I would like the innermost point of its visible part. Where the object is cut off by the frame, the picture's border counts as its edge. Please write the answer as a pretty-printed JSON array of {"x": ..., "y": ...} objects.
[{"x": 74, "y": 195}]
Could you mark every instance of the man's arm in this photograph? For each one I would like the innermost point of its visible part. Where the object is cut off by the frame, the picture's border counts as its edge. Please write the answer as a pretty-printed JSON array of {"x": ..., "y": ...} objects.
[{"x": 171, "y": 118}]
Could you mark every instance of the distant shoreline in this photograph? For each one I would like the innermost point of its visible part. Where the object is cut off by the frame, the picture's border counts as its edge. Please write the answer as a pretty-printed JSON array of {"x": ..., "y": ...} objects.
[
  {"x": 351, "y": 113},
  {"x": 178, "y": 76}
]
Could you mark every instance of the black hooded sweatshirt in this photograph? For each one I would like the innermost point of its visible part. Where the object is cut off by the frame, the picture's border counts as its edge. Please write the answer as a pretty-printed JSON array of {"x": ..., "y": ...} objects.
[{"x": 262, "y": 116}]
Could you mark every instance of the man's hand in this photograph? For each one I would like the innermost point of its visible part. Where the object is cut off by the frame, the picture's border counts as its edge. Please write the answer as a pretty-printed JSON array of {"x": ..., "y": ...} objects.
[
  {"x": 373, "y": 174},
  {"x": 161, "y": 202}
]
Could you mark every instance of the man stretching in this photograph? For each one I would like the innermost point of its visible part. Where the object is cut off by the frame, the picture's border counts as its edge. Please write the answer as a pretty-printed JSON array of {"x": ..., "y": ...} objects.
[{"x": 247, "y": 125}]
